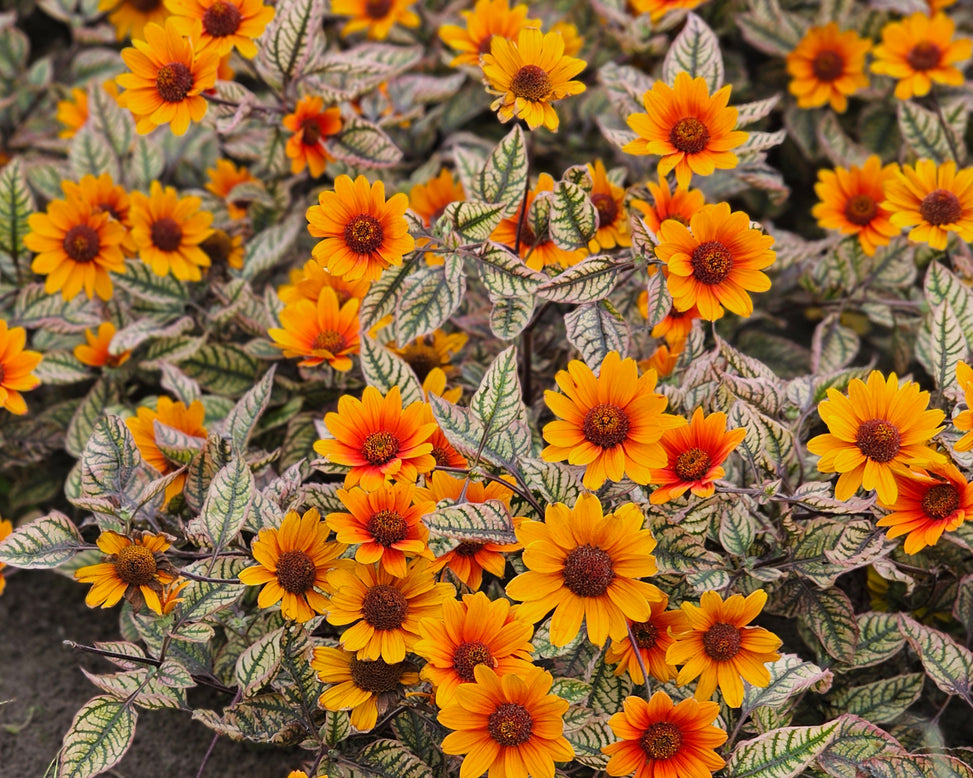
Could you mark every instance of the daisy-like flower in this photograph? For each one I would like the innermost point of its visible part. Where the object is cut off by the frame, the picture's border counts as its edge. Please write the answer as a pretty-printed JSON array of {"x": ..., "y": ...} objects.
[
  {"x": 385, "y": 524},
  {"x": 104, "y": 195},
  {"x": 6, "y": 527},
  {"x": 359, "y": 685},
  {"x": 376, "y": 17},
  {"x": 666, "y": 204},
  {"x": 695, "y": 453},
  {"x": 224, "y": 249},
  {"x": 851, "y": 202},
  {"x": 652, "y": 640},
  {"x": 362, "y": 232},
  {"x": 430, "y": 199},
  {"x": 674, "y": 327},
  {"x": 94, "y": 352},
  {"x": 537, "y": 250},
  {"x": 663, "y": 360},
  {"x": 312, "y": 124},
  {"x": 877, "y": 430},
  {"x": 384, "y": 610},
  {"x": 16, "y": 368},
  {"x": 610, "y": 424},
  {"x": 476, "y": 631},
  {"x": 827, "y": 66},
  {"x": 964, "y": 419},
  {"x": 188, "y": 421},
  {"x": 223, "y": 179},
  {"x": 222, "y": 25},
  {"x": 573, "y": 40},
  {"x": 426, "y": 353},
  {"x": 509, "y": 726},
  {"x": 920, "y": 51},
  {"x": 690, "y": 129},
  {"x": 136, "y": 570},
  {"x": 325, "y": 332},
  {"x": 308, "y": 282},
  {"x": 378, "y": 439},
  {"x": 130, "y": 17},
  {"x": 717, "y": 263},
  {"x": 294, "y": 562},
  {"x": 471, "y": 557},
  {"x": 927, "y": 505},
  {"x": 168, "y": 76},
  {"x": 529, "y": 75},
  {"x": 168, "y": 231},
  {"x": 933, "y": 200},
  {"x": 170, "y": 595},
  {"x": 442, "y": 450},
  {"x": 586, "y": 565},
  {"x": 609, "y": 201},
  {"x": 659, "y": 8},
  {"x": 719, "y": 647},
  {"x": 657, "y": 739},
  {"x": 77, "y": 247},
  {"x": 487, "y": 19},
  {"x": 73, "y": 112}
]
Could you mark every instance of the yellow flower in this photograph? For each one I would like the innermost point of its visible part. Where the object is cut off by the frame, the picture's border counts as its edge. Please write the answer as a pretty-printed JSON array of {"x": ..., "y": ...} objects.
[
  {"x": 168, "y": 231},
  {"x": 487, "y": 19},
  {"x": 16, "y": 368},
  {"x": 659, "y": 8},
  {"x": 431, "y": 351},
  {"x": 964, "y": 419},
  {"x": 376, "y": 17},
  {"x": 827, "y": 66},
  {"x": 652, "y": 639},
  {"x": 104, "y": 195},
  {"x": 73, "y": 112},
  {"x": 325, "y": 332},
  {"x": 6, "y": 527},
  {"x": 223, "y": 179},
  {"x": 932, "y": 200},
  {"x": 95, "y": 351},
  {"x": 136, "y": 569},
  {"x": 224, "y": 249},
  {"x": 573, "y": 40},
  {"x": 430, "y": 199},
  {"x": 529, "y": 75},
  {"x": 222, "y": 25},
  {"x": 130, "y": 17},
  {"x": 666, "y": 204},
  {"x": 188, "y": 421},
  {"x": 609, "y": 200}
]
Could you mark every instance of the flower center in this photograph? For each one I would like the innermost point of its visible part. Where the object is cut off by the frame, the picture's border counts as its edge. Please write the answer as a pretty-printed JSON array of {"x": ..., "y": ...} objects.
[
  {"x": 924, "y": 56},
  {"x": 607, "y": 208},
  {"x": 166, "y": 234},
  {"x": 510, "y": 724},
  {"x": 860, "y": 209},
  {"x": 376, "y": 677},
  {"x": 329, "y": 341},
  {"x": 380, "y": 447},
  {"x": 468, "y": 548},
  {"x": 135, "y": 565},
  {"x": 828, "y": 65},
  {"x": 469, "y": 655},
  {"x": 722, "y": 641},
  {"x": 527, "y": 236},
  {"x": 145, "y": 6},
  {"x": 296, "y": 571},
  {"x": 940, "y": 207},
  {"x": 81, "y": 243},
  {"x": 388, "y": 527},
  {"x": 588, "y": 571},
  {"x": 310, "y": 132},
  {"x": 217, "y": 246},
  {"x": 363, "y": 234},
  {"x": 483, "y": 47},
  {"x": 532, "y": 83},
  {"x": 646, "y": 634},
  {"x": 422, "y": 358},
  {"x": 940, "y": 501},
  {"x": 221, "y": 19},
  {"x": 693, "y": 464},
  {"x": 878, "y": 440},
  {"x": 689, "y": 135},
  {"x": 384, "y": 607},
  {"x": 441, "y": 455},
  {"x": 173, "y": 82},
  {"x": 711, "y": 262},
  {"x": 377, "y": 9},
  {"x": 661, "y": 740},
  {"x": 605, "y": 425}
]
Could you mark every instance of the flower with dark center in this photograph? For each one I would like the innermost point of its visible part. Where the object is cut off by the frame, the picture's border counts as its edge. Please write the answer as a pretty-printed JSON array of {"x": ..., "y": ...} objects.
[
  {"x": 166, "y": 234},
  {"x": 81, "y": 243},
  {"x": 384, "y": 607},
  {"x": 378, "y": 676},
  {"x": 310, "y": 132},
  {"x": 510, "y": 724},
  {"x": 135, "y": 569},
  {"x": 468, "y": 655},
  {"x": 531, "y": 82},
  {"x": 363, "y": 234},
  {"x": 606, "y": 425},
  {"x": 380, "y": 447},
  {"x": 221, "y": 19},
  {"x": 924, "y": 56},
  {"x": 296, "y": 571},
  {"x": 218, "y": 247},
  {"x": 689, "y": 135},
  {"x": 607, "y": 208},
  {"x": 645, "y": 634},
  {"x": 828, "y": 65},
  {"x": 693, "y": 464},
  {"x": 941, "y": 207},
  {"x": 722, "y": 642},
  {"x": 661, "y": 740},
  {"x": 145, "y": 6},
  {"x": 174, "y": 82},
  {"x": 468, "y": 548},
  {"x": 588, "y": 571},
  {"x": 861, "y": 209},
  {"x": 941, "y": 501},
  {"x": 329, "y": 341},
  {"x": 878, "y": 440},
  {"x": 135, "y": 565},
  {"x": 388, "y": 527},
  {"x": 711, "y": 262},
  {"x": 377, "y": 9}
]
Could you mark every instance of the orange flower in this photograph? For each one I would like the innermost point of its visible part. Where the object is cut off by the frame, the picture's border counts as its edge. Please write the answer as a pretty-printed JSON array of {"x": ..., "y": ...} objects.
[
  {"x": 827, "y": 66},
  {"x": 188, "y": 421},
  {"x": 660, "y": 740},
  {"x": 695, "y": 453},
  {"x": 471, "y": 557},
  {"x": 95, "y": 352},
  {"x": 430, "y": 199},
  {"x": 308, "y": 283},
  {"x": 362, "y": 233},
  {"x": 717, "y": 264},
  {"x": 666, "y": 204},
  {"x": 385, "y": 524},
  {"x": 659, "y": 8},
  {"x": 927, "y": 505},
  {"x": 321, "y": 333},
  {"x": 16, "y": 367},
  {"x": 719, "y": 648},
  {"x": 224, "y": 249},
  {"x": 611, "y": 424},
  {"x": 674, "y": 327},
  {"x": 376, "y": 17},
  {"x": 73, "y": 112},
  {"x": 691, "y": 130},
  {"x": 573, "y": 40},
  {"x": 932, "y": 200},
  {"x": 964, "y": 419},
  {"x": 377, "y": 439},
  {"x": 104, "y": 195},
  {"x": 663, "y": 360},
  {"x": 223, "y": 179},
  {"x": 920, "y": 51},
  {"x": 130, "y": 17},
  {"x": 167, "y": 79},
  {"x": 487, "y": 19},
  {"x": 136, "y": 570},
  {"x": 222, "y": 25},
  {"x": 312, "y": 125},
  {"x": 430, "y": 352},
  {"x": 168, "y": 231},
  {"x": 6, "y": 527},
  {"x": 653, "y": 640},
  {"x": 851, "y": 202},
  {"x": 609, "y": 200}
]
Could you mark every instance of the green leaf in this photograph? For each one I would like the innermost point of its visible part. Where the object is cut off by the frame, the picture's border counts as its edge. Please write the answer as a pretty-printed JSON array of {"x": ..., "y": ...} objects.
[
  {"x": 390, "y": 759},
  {"x": 362, "y": 144},
  {"x": 923, "y": 131},
  {"x": 241, "y": 421},
  {"x": 473, "y": 221},
  {"x": 767, "y": 442},
  {"x": 771, "y": 30},
  {"x": 880, "y": 701},
  {"x": 59, "y": 368},
  {"x": 270, "y": 247},
  {"x": 288, "y": 42},
  {"x": 110, "y": 121},
  {"x": 101, "y": 394},
  {"x": 833, "y": 346},
  {"x": 942, "y": 285},
  {"x": 382, "y": 296},
  {"x": 510, "y": 316},
  {"x": 91, "y": 153},
  {"x": 146, "y": 165},
  {"x": 139, "y": 281},
  {"x": 695, "y": 51},
  {"x": 829, "y": 614},
  {"x": 738, "y": 528},
  {"x": 384, "y": 369},
  {"x": 337, "y": 727},
  {"x": 948, "y": 664},
  {"x": 749, "y": 113},
  {"x": 573, "y": 217},
  {"x": 111, "y": 469},
  {"x": 35, "y": 309},
  {"x": 222, "y": 369},
  {"x": 16, "y": 205},
  {"x": 940, "y": 345},
  {"x": 556, "y": 482},
  {"x": 504, "y": 177},
  {"x": 227, "y": 502},
  {"x": 497, "y": 401},
  {"x": 588, "y": 740},
  {"x": 431, "y": 295},
  {"x": 204, "y": 598},
  {"x": 98, "y": 738},
  {"x": 259, "y": 663},
  {"x": 857, "y": 741},
  {"x": 789, "y": 676},
  {"x": 589, "y": 281},
  {"x": 880, "y": 639},
  {"x": 142, "y": 686},
  {"x": 607, "y": 689},
  {"x": 594, "y": 329},
  {"x": 45, "y": 542},
  {"x": 782, "y": 753},
  {"x": 504, "y": 274},
  {"x": 488, "y": 521},
  {"x": 467, "y": 434}
]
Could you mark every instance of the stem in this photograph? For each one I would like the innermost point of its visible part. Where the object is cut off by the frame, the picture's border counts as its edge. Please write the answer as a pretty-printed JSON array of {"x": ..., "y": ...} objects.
[
  {"x": 208, "y": 579},
  {"x": 639, "y": 659},
  {"x": 496, "y": 479},
  {"x": 255, "y": 107},
  {"x": 212, "y": 744},
  {"x": 945, "y": 127}
]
